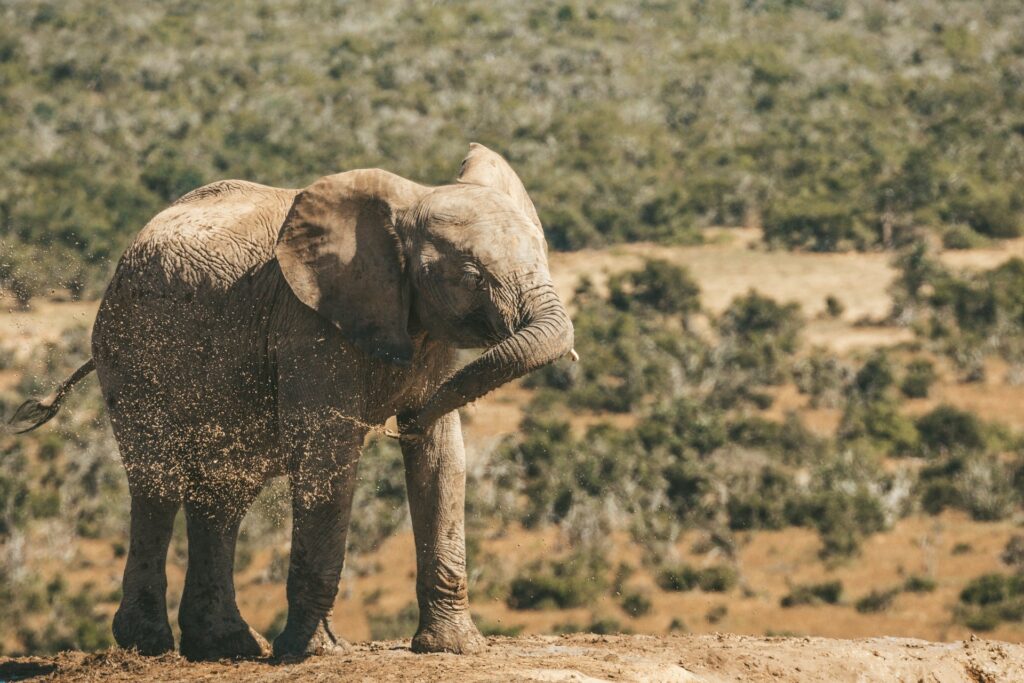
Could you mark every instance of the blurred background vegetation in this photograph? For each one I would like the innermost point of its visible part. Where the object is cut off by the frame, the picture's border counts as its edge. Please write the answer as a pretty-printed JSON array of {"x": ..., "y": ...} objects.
[
  {"x": 835, "y": 124},
  {"x": 830, "y": 125}
]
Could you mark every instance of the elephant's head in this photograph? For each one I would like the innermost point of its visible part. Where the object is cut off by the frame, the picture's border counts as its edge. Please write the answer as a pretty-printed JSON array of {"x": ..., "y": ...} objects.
[{"x": 380, "y": 256}]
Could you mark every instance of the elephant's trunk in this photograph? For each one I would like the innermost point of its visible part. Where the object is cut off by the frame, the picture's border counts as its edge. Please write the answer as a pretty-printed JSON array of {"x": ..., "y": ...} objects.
[{"x": 546, "y": 336}]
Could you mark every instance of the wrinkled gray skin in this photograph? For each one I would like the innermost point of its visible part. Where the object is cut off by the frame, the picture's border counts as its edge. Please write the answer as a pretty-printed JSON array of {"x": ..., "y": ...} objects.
[{"x": 247, "y": 325}]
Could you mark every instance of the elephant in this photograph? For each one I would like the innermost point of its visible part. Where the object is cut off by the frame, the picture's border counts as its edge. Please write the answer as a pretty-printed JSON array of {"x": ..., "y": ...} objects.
[{"x": 252, "y": 332}]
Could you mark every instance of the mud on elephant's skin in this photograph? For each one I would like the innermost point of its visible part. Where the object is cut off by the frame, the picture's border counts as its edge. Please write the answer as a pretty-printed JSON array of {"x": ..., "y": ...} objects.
[{"x": 251, "y": 332}]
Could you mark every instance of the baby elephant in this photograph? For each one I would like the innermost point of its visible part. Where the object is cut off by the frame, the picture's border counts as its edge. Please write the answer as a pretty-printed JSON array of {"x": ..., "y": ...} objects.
[{"x": 251, "y": 332}]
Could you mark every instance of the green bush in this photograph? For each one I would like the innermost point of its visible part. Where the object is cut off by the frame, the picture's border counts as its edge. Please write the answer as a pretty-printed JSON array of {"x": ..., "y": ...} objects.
[
  {"x": 823, "y": 377},
  {"x": 1013, "y": 553},
  {"x": 678, "y": 578},
  {"x": 919, "y": 584},
  {"x": 833, "y": 306},
  {"x": 918, "y": 380},
  {"x": 989, "y": 589},
  {"x": 573, "y": 582},
  {"x": 716, "y": 614},
  {"x": 717, "y": 578},
  {"x": 876, "y": 601},
  {"x": 829, "y": 592},
  {"x": 947, "y": 429},
  {"x": 660, "y": 285},
  {"x": 962, "y": 236},
  {"x": 636, "y": 604},
  {"x": 605, "y": 626},
  {"x": 989, "y": 599},
  {"x": 757, "y": 334},
  {"x": 980, "y": 619}
]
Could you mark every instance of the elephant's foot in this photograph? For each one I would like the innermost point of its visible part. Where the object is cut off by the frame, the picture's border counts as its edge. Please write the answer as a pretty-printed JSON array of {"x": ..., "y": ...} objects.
[
  {"x": 457, "y": 634},
  {"x": 232, "y": 643},
  {"x": 145, "y": 631},
  {"x": 293, "y": 643}
]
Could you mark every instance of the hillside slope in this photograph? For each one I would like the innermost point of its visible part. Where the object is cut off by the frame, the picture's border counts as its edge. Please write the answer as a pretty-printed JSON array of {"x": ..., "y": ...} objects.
[{"x": 582, "y": 658}]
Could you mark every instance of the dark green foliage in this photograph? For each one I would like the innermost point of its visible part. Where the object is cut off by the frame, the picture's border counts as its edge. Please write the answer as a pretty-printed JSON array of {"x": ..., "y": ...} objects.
[
  {"x": 919, "y": 584},
  {"x": 630, "y": 355},
  {"x": 606, "y": 626},
  {"x": 716, "y": 614},
  {"x": 661, "y": 286},
  {"x": 961, "y": 236},
  {"x": 706, "y": 127},
  {"x": 717, "y": 579},
  {"x": 979, "y": 484},
  {"x": 572, "y": 582},
  {"x": 757, "y": 334},
  {"x": 833, "y": 306},
  {"x": 872, "y": 381},
  {"x": 714, "y": 579},
  {"x": 949, "y": 430},
  {"x": 965, "y": 316},
  {"x": 919, "y": 377},
  {"x": 989, "y": 589},
  {"x": 678, "y": 578},
  {"x": 636, "y": 604},
  {"x": 823, "y": 377},
  {"x": 829, "y": 592},
  {"x": 670, "y": 470},
  {"x": 979, "y": 619},
  {"x": 991, "y": 598},
  {"x": 1013, "y": 553},
  {"x": 763, "y": 500},
  {"x": 790, "y": 440},
  {"x": 842, "y": 517},
  {"x": 876, "y": 601},
  {"x": 872, "y": 412}
]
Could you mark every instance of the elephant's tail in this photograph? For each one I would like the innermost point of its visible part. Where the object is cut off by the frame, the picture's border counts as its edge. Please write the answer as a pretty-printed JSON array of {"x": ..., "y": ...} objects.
[{"x": 34, "y": 413}]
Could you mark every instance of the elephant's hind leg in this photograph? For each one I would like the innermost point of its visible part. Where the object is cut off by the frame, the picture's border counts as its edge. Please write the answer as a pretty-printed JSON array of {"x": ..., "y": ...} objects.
[
  {"x": 141, "y": 620},
  {"x": 325, "y": 457},
  {"x": 211, "y": 625}
]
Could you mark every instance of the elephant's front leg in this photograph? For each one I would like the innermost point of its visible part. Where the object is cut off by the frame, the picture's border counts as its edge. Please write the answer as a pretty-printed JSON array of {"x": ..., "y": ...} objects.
[
  {"x": 435, "y": 475},
  {"x": 322, "y": 487}
]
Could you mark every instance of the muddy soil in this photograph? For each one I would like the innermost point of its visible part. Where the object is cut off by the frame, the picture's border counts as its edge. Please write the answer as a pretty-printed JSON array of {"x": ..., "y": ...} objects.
[{"x": 577, "y": 658}]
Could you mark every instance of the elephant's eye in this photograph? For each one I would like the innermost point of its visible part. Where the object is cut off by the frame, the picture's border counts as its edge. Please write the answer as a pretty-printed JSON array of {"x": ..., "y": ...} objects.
[{"x": 472, "y": 279}]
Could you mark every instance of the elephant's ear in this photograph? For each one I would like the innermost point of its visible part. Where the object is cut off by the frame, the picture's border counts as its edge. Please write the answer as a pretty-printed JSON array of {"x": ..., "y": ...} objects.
[
  {"x": 342, "y": 256},
  {"x": 483, "y": 166}
]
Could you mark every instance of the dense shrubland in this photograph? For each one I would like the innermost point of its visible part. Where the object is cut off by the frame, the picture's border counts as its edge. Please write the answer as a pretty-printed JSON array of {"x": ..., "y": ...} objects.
[
  {"x": 703, "y": 455},
  {"x": 700, "y": 453},
  {"x": 966, "y": 316},
  {"x": 845, "y": 124}
]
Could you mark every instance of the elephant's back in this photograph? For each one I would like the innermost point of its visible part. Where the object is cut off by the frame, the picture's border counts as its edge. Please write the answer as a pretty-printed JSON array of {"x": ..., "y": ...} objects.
[
  {"x": 208, "y": 240},
  {"x": 180, "y": 340}
]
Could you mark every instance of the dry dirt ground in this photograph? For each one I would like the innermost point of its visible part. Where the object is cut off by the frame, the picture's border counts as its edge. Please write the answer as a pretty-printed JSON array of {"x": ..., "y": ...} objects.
[{"x": 579, "y": 658}]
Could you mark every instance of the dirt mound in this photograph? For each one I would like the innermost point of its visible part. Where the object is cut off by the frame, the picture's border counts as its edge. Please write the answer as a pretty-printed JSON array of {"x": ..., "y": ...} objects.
[{"x": 579, "y": 658}]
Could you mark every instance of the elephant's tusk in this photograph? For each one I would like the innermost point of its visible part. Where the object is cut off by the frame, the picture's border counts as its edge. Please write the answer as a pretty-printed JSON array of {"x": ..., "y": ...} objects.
[{"x": 573, "y": 356}]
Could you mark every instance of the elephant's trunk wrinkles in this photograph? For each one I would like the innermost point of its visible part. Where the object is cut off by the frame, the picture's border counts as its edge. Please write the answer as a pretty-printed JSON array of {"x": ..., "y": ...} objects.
[{"x": 546, "y": 336}]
